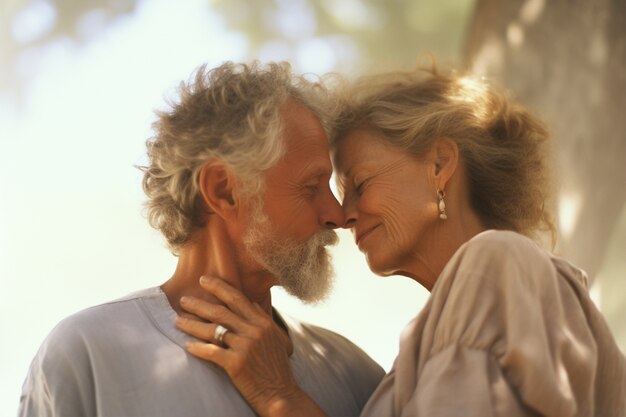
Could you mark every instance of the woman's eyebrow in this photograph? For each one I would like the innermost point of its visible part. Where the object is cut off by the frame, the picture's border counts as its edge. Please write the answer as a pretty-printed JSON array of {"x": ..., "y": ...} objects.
[{"x": 349, "y": 172}]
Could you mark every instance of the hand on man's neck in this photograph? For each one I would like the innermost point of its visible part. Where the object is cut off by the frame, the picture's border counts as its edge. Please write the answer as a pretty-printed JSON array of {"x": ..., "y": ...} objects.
[{"x": 213, "y": 252}]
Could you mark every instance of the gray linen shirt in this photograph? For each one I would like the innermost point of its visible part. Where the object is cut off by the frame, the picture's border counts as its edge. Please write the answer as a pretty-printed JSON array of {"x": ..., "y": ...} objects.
[{"x": 126, "y": 358}]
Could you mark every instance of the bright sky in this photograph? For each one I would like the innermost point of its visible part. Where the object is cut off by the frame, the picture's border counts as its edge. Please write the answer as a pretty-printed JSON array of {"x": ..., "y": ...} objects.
[{"x": 71, "y": 230}]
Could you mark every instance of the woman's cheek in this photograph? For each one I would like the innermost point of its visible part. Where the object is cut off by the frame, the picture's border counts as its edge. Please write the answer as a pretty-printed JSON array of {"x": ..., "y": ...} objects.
[{"x": 380, "y": 258}]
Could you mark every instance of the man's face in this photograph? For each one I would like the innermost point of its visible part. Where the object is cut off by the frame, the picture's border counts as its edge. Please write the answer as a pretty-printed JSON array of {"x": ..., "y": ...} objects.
[{"x": 291, "y": 225}]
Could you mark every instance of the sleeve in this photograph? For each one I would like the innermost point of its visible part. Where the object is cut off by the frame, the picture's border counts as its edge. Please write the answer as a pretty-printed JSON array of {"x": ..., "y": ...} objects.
[
  {"x": 358, "y": 371},
  {"x": 59, "y": 382},
  {"x": 500, "y": 344},
  {"x": 363, "y": 373},
  {"x": 467, "y": 382}
]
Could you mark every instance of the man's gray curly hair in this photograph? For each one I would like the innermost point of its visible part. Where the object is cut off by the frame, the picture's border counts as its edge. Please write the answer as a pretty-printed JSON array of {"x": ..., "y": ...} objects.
[{"x": 230, "y": 113}]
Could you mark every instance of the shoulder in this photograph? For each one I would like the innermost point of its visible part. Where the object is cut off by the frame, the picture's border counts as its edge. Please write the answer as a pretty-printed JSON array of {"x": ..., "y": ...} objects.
[
  {"x": 72, "y": 343},
  {"x": 501, "y": 244},
  {"x": 332, "y": 369},
  {"x": 61, "y": 378},
  {"x": 495, "y": 259},
  {"x": 336, "y": 361},
  {"x": 316, "y": 334},
  {"x": 493, "y": 285},
  {"x": 74, "y": 335},
  {"x": 333, "y": 345}
]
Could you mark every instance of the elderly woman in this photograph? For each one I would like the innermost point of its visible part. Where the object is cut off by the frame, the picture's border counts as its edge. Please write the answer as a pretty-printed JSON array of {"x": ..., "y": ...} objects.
[{"x": 445, "y": 181}]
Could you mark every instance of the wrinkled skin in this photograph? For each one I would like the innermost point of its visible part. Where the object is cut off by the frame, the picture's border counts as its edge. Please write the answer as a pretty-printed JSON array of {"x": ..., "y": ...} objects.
[{"x": 255, "y": 350}]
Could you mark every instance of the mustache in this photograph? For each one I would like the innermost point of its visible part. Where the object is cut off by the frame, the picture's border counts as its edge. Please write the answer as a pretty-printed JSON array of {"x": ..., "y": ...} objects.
[{"x": 327, "y": 237}]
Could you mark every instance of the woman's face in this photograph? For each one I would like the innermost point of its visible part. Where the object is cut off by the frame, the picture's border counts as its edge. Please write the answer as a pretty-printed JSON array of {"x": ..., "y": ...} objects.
[{"x": 389, "y": 202}]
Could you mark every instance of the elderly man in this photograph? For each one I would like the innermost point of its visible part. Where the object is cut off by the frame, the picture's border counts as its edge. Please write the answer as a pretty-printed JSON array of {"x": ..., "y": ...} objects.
[{"x": 238, "y": 185}]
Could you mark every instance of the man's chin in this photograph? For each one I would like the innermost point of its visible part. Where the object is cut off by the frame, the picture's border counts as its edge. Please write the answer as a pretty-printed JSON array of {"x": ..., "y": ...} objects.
[
  {"x": 311, "y": 298},
  {"x": 303, "y": 269},
  {"x": 313, "y": 283}
]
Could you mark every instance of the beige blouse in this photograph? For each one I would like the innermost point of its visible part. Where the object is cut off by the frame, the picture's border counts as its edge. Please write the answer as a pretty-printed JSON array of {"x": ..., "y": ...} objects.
[{"x": 509, "y": 330}]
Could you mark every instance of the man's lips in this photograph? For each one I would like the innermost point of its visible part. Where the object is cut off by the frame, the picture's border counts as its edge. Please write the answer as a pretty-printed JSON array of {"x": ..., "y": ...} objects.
[{"x": 361, "y": 235}]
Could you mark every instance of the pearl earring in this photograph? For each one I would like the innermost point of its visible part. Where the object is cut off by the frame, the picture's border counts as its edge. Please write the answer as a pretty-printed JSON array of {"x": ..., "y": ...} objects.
[{"x": 442, "y": 204}]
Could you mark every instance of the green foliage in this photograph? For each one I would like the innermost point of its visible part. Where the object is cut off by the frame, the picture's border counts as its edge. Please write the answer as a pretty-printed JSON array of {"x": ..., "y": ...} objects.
[{"x": 359, "y": 35}]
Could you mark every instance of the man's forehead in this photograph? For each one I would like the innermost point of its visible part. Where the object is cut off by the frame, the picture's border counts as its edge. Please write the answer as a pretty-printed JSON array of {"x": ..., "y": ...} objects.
[
  {"x": 292, "y": 107},
  {"x": 298, "y": 117},
  {"x": 303, "y": 131}
]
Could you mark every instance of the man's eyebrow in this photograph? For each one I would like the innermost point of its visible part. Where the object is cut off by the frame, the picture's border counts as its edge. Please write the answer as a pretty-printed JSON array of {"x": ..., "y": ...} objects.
[{"x": 318, "y": 172}]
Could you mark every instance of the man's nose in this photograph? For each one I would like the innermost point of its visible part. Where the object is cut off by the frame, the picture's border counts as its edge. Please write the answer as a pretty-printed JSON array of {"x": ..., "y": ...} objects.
[{"x": 331, "y": 215}]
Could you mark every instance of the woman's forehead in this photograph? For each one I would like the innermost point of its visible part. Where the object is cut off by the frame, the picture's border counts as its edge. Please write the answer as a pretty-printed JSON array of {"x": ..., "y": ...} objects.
[{"x": 359, "y": 147}]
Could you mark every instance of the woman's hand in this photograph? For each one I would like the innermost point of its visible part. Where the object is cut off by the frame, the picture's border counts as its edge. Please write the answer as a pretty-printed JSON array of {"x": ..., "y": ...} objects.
[{"x": 254, "y": 352}]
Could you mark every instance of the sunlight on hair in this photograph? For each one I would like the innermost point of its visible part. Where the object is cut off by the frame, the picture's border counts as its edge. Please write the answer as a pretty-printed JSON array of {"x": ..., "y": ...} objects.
[
  {"x": 318, "y": 348},
  {"x": 469, "y": 84},
  {"x": 472, "y": 92}
]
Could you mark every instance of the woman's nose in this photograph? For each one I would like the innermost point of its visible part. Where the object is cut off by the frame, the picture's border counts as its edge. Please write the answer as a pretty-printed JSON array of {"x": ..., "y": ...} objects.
[{"x": 350, "y": 214}]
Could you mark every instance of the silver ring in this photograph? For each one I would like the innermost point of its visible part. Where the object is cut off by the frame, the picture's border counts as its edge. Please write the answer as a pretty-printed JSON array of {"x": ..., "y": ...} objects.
[{"x": 220, "y": 331}]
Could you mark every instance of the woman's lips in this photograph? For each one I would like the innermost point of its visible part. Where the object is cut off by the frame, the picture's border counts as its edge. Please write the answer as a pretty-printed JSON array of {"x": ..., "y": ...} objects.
[{"x": 359, "y": 237}]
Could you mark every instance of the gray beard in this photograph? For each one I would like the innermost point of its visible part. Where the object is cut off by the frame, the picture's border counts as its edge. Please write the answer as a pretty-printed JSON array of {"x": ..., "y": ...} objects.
[{"x": 303, "y": 269}]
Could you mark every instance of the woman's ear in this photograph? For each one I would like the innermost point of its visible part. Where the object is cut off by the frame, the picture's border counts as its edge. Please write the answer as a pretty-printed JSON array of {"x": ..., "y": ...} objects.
[
  {"x": 446, "y": 156},
  {"x": 217, "y": 186}
]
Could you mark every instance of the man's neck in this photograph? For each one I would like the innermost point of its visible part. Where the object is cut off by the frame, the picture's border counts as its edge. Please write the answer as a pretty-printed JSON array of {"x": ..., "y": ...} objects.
[
  {"x": 200, "y": 258},
  {"x": 207, "y": 255}
]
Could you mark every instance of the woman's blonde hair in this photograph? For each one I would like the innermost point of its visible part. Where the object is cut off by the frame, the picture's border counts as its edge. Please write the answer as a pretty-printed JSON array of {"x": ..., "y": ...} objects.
[
  {"x": 230, "y": 113},
  {"x": 503, "y": 147}
]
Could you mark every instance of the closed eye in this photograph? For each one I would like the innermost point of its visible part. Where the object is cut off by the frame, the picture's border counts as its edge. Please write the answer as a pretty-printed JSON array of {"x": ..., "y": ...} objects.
[
  {"x": 360, "y": 187},
  {"x": 311, "y": 188}
]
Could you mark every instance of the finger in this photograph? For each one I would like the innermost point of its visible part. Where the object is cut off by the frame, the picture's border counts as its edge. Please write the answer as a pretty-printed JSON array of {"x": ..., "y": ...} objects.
[
  {"x": 233, "y": 298},
  {"x": 206, "y": 331},
  {"x": 215, "y": 313},
  {"x": 230, "y": 361},
  {"x": 209, "y": 352},
  {"x": 198, "y": 329},
  {"x": 193, "y": 316}
]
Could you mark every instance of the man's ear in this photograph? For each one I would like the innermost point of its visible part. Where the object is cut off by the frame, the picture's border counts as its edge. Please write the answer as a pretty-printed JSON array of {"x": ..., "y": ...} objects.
[
  {"x": 217, "y": 186},
  {"x": 446, "y": 156}
]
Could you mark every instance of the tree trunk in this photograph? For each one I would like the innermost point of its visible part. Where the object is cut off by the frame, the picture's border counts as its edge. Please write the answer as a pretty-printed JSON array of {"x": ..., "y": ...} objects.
[{"x": 566, "y": 61}]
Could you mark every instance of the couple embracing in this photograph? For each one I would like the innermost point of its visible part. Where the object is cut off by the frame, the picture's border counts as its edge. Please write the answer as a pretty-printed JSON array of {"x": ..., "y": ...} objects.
[{"x": 443, "y": 179}]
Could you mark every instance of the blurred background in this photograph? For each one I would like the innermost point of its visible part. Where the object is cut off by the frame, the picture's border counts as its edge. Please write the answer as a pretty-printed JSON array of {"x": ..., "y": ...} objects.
[{"x": 79, "y": 81}]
